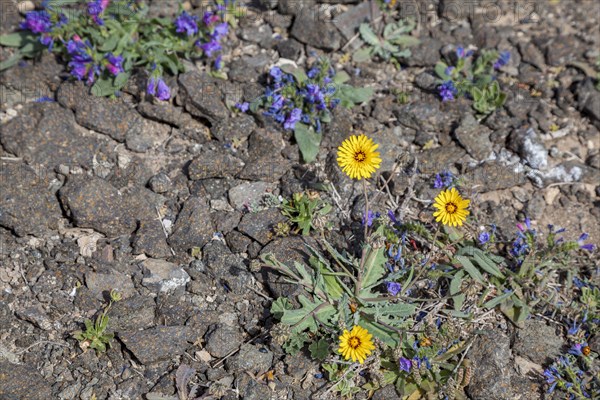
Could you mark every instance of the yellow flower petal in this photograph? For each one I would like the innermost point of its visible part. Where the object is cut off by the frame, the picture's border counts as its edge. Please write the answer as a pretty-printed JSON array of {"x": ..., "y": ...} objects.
[
  {"x": 451, "y": 207},
  {"x": 357, "y": 157}
]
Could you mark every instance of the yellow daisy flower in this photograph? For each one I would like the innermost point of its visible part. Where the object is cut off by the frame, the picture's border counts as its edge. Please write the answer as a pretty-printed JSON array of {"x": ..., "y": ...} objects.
[
  {"x": 357, "y": 157},
  {"x": 356, "y": 344},
  {"x": 451, "y": 208}
]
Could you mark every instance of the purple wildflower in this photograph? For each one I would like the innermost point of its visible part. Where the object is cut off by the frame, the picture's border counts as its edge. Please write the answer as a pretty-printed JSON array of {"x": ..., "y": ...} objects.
[
  {"x": 37, "y": 22},
  {"x": 210, "y": 47},
  {"x": 187, "y": 23},
  {"x": 582, "y": 238},
  {"x": 574, "y": 329},
  {"x": 393, "y": 288},
  {"x": 292, "y": 119},
  {"x": 461, "y": 53},
  {"x": 368, "y": 219},
  {"x": 115, "y": 64},
  {"x": 552, "y": 377},
  {"x": 162, "y": 91},
  {"x": 276, "y": 73},
  {"x": 209, "y": 18},
  {"x": 484, "y": 237},
  {"x": 44, "y": 99},
  {"x": 314, "y": 71},
  {"x": 392, "y": 217},
  {"x": 47, "y": 41},
  {"x": 220, "y": 31},
  {"x": 576, "y": 349},
  {"x": 502, "y": 60},
  {"x": 96, "y": 8},
  {"x": 219, "y": 62},
  {"x": 243, "y": 107},
  {"x": 447, "y": 91},
  {"x": 404, "y": 364},
  {"x": 151, "y": 86},
  {"x": 437, "y": 183}
]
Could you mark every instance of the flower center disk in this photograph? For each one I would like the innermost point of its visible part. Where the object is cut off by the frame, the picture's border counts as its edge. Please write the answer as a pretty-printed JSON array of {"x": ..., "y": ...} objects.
[
  {"x": 360, "y": 156},
  {"x": 354, "y": 342},
  {"x": 451, "y": 208}
]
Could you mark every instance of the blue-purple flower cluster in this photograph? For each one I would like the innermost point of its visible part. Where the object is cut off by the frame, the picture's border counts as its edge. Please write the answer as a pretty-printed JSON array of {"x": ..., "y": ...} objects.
[
  {"x": 525, "y": 235},
  {"x": 566, "y": 374},
  {"x": 289, "y": 101},
  {"x": 443, "y": 180},
  {"x": 87, "y": 61}
]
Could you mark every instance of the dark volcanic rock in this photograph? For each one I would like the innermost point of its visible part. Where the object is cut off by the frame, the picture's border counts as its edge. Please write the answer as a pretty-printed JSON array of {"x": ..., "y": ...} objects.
[
  {"x": 253, "y": 358},
  {"x": 426, "y": 53},
  {"x": 214, "y": 163},
  {"x": 46, "y": 134},
  {"x": 227, "y": 267},
  {"x": 494, "y": 175},
  {"x": 26, "y": 205},
  {"x": 223, "y": 339},
  {"x": 259, "y": 225},
  {"x": 22, "y": 382},
  {"x": 134, "y": 313},
  {"x": 108, "y": 116},
  {"x": 588, "y": 99},
  {"x": 311, "y": 29},
  {"x": 290, "y": 49},
  {"x": 529, "y": 342},
  {"x": 100, "y": 284},
  {"x": 475, "y": 138},
  {"x": 150, "y": 239},
  {"x": 159, "y": 343},
  {"x": 495, "y": 377},
  {"x": 95, "y": 203},
  {"x": 193, "y": 227},
  {"x": 203, "y": 96}
]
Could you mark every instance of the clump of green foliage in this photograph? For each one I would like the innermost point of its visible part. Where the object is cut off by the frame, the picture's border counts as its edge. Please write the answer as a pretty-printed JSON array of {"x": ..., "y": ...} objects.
[
  {"x": 419, "y": 289},
  {"x": 474, "y": 76},
  {"x": 95, "y": 336},
  {"x": 306, "y": 210},
  {"x": 391, "y": 44},
  {"x": 102, "y": 42},
  {"x": 304, "y": 101}
]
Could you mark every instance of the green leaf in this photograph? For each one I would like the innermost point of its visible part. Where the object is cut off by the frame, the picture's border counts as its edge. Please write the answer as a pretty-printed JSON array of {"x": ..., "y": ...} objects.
[
  {"x": 367, "y": 34},
  {"x": 361, "y": 55},
  {"x": 295, "y": 343},
  {"x": 470, "y": 268},
  {"x": 306, "y": 317},
  {"x": 103, "y": 87},
  {"x": 440, "y": 70},
  {"x": 350, "y": 95},
  {"x": 497, "y": 300},
  {"x": 458, "y": 300},
  {"x": 405, "y": 41},
  {"x": 456, "y": 282},
  {"x": 374, "y": 270},
  {"x": 110, "y": 44},
  {"x": 280, "y": 306},
  {"x": 319, "y": 350},
  {"x": 308, "y": 141},
  {"x": 341, "y": 77},
  {"x": 13, "y": 60},
  {"x": 17, "y": 39},
  {"x": 386, "y": 335}
]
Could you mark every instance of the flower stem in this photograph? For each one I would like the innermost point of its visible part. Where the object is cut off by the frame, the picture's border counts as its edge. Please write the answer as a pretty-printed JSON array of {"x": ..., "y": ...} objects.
[{"x": 364, "y": 248}]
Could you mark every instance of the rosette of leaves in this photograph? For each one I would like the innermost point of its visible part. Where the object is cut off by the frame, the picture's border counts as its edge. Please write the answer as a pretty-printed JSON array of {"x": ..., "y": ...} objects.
[
  {"x": 334, "y": 296},
  {"x": 392, "y": 45},
  {"x": 302, "y": 210},
  {"x": 476, "y": 79}
]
